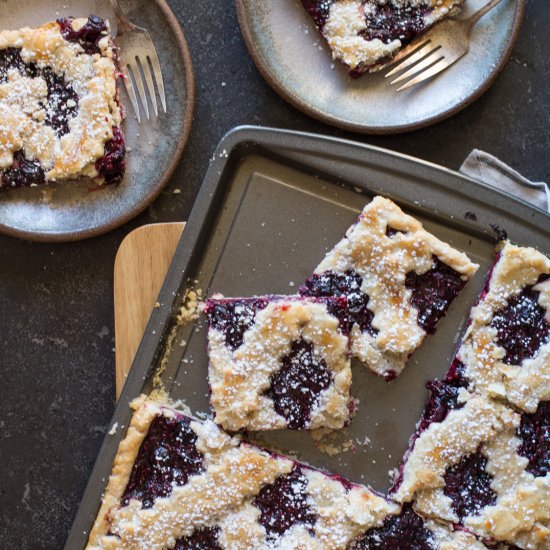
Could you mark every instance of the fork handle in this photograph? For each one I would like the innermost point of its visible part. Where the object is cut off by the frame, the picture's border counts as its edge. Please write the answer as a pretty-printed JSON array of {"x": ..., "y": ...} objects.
[
  {"x": 122, "y": 21},
  {"x": 481, "y": 12}
]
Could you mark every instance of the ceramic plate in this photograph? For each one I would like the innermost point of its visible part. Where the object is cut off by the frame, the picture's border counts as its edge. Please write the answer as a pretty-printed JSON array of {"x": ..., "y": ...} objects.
[
  {"x": 296, "y": 61},
  {"x": 71, "y": 211}
]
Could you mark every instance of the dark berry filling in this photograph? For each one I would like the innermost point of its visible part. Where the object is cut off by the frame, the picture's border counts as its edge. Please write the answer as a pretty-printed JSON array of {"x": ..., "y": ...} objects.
[
  {"x": 349, "y": 286},
  {"x": 403, "y": 532},
  {"x": 337, "y": 306},
  {"x": 22, "y": 173},
  {"x": 534, "y": 432},
  {"x": 295, "y": 388},
  {"x": 443, "y": 400},
  {"x": 201, "y": 539},
  {"x": 111, "y": 165},
  {"x": 385, "y": 22},
  {"x": 388, "y": 22},
  {"x": 62, "y": 102},
  {"x": 284, "y": 504},
  {"x": 10, "y": 58},
  {"x": 167, "y": 457},
  {"x": 456, "y": 375},
  {"x": 433, "y": 292},
  {"x": 521, "y": 325},
  {"x": 88, "y": 36},
  {"x": 468, "y": 485},
  {"x": 233, "y": 318},
  {"x": 318, "y": 9}
]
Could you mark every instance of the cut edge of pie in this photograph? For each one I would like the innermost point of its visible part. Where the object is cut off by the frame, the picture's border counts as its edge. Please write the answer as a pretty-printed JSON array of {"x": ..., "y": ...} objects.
[{"x": 399, "y": 280}]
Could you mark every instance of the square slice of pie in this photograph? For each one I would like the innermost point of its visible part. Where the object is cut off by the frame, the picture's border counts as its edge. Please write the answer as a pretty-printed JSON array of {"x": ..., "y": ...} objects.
[
  {"x": 505, "y": 353},
  {"x": 180, "y": 483},
  {"x": 399, "y": 281},
  {"x": 366, "y": 34},
  {"x": 279, "y": 362},
  {"x": 59, "y": 112},
  {"x": 478, "y": 464}
]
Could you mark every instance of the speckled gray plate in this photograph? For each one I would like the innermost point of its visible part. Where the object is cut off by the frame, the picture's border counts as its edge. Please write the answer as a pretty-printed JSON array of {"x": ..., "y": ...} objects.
[
  {"x": 296, "y": 61},
  {"x": 71, "y": 211}
]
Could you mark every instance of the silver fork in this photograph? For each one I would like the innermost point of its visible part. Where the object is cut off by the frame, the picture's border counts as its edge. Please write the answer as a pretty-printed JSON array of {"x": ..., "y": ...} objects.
[
  {"x": 436, "y": 50},
  {"x": 137, "y": 56}
]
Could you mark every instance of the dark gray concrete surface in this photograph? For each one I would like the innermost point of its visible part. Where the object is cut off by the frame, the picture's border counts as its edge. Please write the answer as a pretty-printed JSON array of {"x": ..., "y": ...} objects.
[{"x": 57, "y": 379}]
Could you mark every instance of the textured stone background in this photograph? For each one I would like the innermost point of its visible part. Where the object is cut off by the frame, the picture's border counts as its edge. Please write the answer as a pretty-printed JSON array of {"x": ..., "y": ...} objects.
[{"x": 57, "y": 378}]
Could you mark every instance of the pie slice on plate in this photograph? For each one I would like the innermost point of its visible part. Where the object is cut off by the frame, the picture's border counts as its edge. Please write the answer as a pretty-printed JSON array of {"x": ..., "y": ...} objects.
[
  {"x": 59, "y": 109},
  {"x": 366, "y": 34}
]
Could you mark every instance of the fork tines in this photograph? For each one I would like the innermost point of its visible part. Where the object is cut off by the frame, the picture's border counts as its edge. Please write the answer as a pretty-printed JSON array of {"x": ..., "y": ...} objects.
[
  {"x": 425, "y": 61},
  {"x": 143, "y": 72}
]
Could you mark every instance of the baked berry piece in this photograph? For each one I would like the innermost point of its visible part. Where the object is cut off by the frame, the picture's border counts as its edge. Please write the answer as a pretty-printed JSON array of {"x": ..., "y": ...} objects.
[
  {"x": 279, "y": 362},
  {"x": 399, "y": 281},
  {"x": 478, "y": 464},
  {"x": 409, "y": 531},
  {"x": 180, "y": 483},
  {"x": 506, "y": 349},
  {"x": 59, "y": 111},
  {"x": 366, "y": 34}
]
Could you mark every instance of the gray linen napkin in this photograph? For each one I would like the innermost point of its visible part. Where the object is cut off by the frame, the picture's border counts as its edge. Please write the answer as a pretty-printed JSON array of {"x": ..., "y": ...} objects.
[{"x": 488, "y": 169}]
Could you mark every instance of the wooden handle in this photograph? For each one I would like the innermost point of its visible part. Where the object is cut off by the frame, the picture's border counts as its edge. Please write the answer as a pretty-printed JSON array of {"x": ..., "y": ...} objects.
[
  {"x": 141, "y": 264},
  {"x": 481, "y": 12}
]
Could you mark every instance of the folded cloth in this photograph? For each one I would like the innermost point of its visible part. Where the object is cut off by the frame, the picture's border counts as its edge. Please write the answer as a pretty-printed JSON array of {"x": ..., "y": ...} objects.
[{"x": 488, "y": 169}]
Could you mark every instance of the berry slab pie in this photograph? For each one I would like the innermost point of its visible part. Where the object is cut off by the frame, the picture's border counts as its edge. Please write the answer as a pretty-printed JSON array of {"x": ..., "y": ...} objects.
[
  {"x": 399, "y": 281},
  {"x": 478, "y": 464},
  {"x": 366, "y": 34},
  {"x": 183, "y": 484},
  {"x": 279, "y": 362},
  {"x": 506, "y": 350},
  {"x": 59, "y": 112}
]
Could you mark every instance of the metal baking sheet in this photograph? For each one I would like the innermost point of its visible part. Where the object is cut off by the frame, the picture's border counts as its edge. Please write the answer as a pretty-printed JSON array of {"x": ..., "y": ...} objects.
[{"x": 272, "y": 203}]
